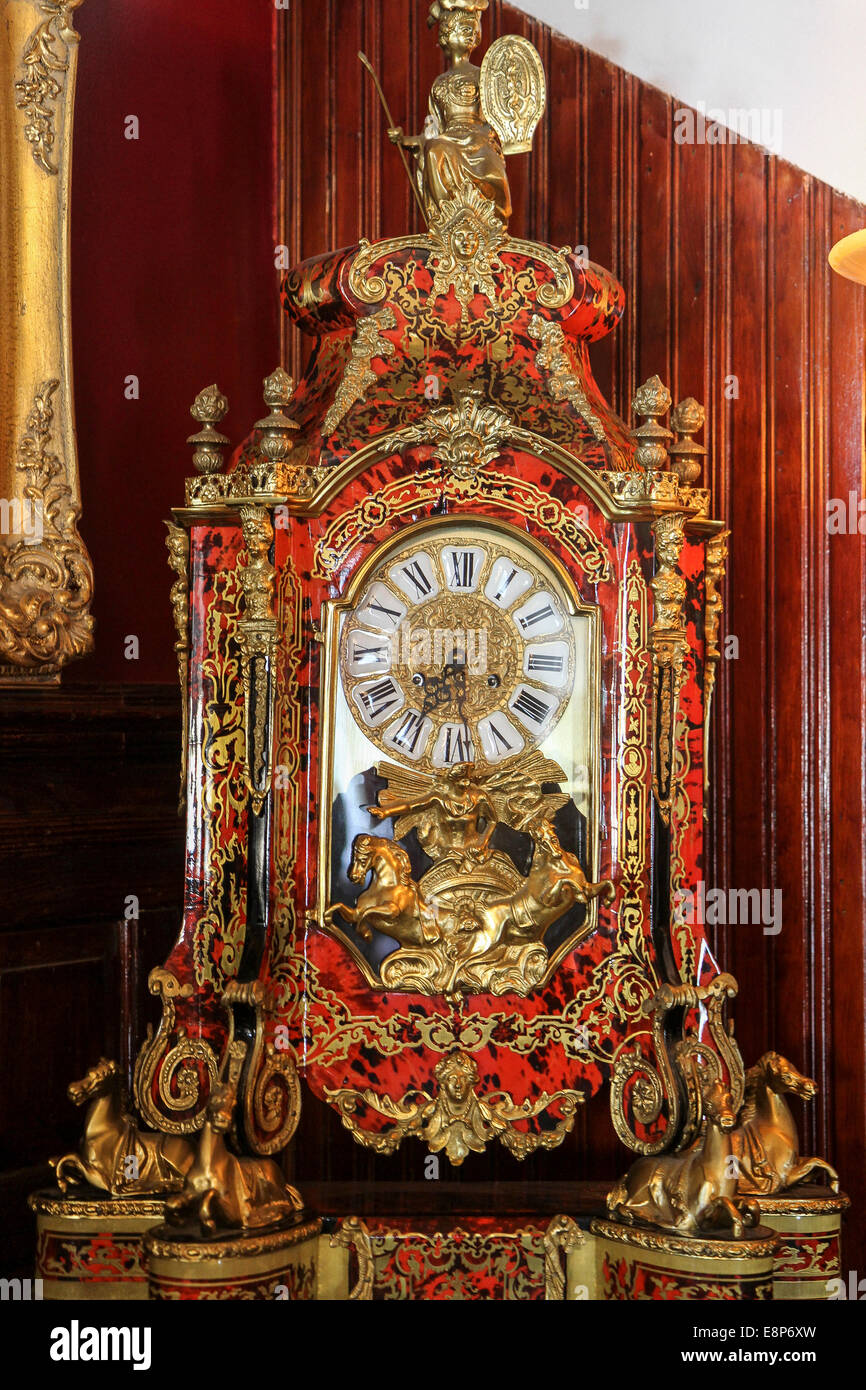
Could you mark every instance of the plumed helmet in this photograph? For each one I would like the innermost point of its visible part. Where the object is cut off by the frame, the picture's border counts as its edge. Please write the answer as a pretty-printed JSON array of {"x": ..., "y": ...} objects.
[{"x": 440, "y": 8}]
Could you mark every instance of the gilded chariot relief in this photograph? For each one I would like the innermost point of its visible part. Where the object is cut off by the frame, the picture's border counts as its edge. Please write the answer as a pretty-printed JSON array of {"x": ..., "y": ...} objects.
[{"x": 466, "y": 663}]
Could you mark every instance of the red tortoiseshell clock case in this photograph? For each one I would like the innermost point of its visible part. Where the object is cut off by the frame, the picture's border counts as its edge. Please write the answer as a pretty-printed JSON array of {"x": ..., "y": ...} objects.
[{"x": 568, "y": 478}]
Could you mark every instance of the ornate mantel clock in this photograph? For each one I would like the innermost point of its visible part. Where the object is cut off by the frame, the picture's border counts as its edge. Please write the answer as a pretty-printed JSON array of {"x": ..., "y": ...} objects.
[{"x": 448, "y": 632}]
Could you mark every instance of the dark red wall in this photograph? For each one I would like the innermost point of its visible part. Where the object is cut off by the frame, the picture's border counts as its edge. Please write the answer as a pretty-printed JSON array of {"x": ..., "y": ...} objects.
[{"x": 173, "y": 280}]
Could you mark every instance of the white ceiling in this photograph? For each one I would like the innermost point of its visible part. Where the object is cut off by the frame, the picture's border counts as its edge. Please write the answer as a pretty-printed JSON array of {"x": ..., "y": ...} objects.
[{"x": 801, "y": 58}]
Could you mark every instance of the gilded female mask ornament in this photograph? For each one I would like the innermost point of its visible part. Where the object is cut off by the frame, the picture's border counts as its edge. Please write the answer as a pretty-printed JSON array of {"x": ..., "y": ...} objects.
[
  {"x": 465, "y": 238},
  {"x": 457, "y": 1120}
]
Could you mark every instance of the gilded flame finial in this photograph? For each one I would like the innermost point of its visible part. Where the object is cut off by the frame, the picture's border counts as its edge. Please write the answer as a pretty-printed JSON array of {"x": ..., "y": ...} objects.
[
  {"x": 686, "y": 454},
  {"x": 208, "y": 408},
  {"x": 276, "y": 427},
  {"x": 278, "y": 389},
  {"x": 651, "y": 401}
]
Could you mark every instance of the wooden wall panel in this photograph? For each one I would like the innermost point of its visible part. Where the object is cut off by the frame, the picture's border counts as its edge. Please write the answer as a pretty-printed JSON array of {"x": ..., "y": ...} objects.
[
  {"x": 88, "y": 818},
  {"x": 173, "y": 281},
  {"x": 88, "y": 811},
  {"x": 722, "y": 251}
]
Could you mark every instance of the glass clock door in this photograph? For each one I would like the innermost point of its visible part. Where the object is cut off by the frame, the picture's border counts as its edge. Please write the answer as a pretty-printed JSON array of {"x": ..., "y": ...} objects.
[{"x": 461, "y": 773}]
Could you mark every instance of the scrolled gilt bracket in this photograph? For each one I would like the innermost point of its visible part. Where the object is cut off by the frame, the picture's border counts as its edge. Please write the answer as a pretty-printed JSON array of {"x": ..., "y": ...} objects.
[
  {"x": 225, "y": 1191},
  {"x": 699, "y": 1063},
  {"x": 691, "y": 1184},
  {"x": 46, "y": 577},
  {"x": 270, "y": 1099},
  {"x": 170, "y": 1065},
  {"x": 669, "y": 1083}
]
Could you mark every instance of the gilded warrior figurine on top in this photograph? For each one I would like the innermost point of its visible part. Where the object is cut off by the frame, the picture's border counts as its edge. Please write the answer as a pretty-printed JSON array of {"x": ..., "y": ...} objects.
[{"x": 476, "y": 115}]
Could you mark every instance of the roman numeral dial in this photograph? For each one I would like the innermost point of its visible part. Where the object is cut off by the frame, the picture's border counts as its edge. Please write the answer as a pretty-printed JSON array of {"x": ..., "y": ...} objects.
[{"x": 459, "y": 649}]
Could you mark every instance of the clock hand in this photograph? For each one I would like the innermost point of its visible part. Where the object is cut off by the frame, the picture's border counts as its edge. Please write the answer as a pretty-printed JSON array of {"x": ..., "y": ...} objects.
[
  {"x": 458, "y": 670},
  {"x": 441, "y": 690},
  {"x": 434, "y": 693}
]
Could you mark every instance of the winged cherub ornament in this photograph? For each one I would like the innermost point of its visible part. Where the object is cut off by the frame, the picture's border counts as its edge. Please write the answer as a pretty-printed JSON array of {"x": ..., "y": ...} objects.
[{"x": 455, "y": 813}]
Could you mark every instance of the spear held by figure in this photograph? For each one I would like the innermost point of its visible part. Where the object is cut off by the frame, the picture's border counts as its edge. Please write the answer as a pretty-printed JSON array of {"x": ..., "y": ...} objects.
[{"x": 390, "y": 119}]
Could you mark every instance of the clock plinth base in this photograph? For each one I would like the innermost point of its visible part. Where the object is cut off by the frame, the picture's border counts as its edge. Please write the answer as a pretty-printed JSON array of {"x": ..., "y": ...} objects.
[
  {"x": 89, "y": 1245},
  {"x": 809, "y": 1224},
  {"x": 635, "y": 1263},
  {"x": 279, "y": 1263},
  {"x": 536, "y": 1242}
]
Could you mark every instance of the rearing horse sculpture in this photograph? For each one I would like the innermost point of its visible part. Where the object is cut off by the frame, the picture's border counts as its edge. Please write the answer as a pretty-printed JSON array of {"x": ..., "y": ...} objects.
[
  {"x": 393, "y": 903},
  {"x": 115, "y": 1155},
  {"x": 554, "y": 883}
]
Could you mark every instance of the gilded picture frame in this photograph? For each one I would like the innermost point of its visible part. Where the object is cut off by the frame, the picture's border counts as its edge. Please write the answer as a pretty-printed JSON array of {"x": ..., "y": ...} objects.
[{"x": 46, "y": 576}]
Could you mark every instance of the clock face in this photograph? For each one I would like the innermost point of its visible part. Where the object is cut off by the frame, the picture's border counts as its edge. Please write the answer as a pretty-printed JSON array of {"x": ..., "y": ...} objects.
[
  {"x": 460, "y": 712},
  {"x": 460, "y": 649}
]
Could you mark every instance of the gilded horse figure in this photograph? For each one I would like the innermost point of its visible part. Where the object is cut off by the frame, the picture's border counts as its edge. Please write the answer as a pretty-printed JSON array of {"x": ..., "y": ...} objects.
[
  {"x": 765, "y": 1141},
  {"x": 393, "y": 903},
  {"x": 695, "y": 1191},
  {"x": 115, "y": 1155},
  {"x": 223, "y": 1191},
  {"x": 554, "y": 883}
]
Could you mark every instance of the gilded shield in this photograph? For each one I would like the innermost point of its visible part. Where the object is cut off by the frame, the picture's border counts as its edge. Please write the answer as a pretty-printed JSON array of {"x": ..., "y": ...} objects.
[{"x": 513, "y": 91}]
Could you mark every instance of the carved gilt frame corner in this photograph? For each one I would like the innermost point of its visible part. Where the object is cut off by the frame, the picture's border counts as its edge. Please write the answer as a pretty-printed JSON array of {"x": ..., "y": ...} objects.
[{"x": 46, "y": 577}]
